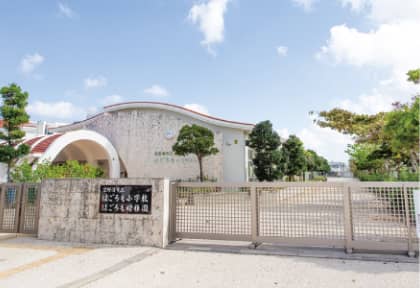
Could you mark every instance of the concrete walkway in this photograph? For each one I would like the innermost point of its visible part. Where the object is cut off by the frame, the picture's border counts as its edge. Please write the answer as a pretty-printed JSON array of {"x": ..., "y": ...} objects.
[{"x": 28, "y": 262}]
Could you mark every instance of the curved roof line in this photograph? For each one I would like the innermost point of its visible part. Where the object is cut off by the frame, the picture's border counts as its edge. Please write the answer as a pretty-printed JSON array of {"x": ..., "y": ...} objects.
[
  {"x": 44, "y": 143},
  {"x": 165, "y": 106},
  {"x": 135, "y": 104}
]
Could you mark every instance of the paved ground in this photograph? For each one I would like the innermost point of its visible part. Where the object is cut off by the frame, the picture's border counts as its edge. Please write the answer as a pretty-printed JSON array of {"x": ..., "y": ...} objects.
[{"x": 27, "y": 262}]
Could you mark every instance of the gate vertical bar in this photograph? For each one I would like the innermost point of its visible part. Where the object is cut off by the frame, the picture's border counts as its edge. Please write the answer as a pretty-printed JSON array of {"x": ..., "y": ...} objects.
[
  {"x": 22, "y": 204},
  {"x": 254, "y": 215},
  {"x": 18, "y": 203},
  {"x": 2, "y": 193},
  {"x": 348, "y": 223},
  {"x": 172, "y": 215},
  {"x": 411, "y": 252}
]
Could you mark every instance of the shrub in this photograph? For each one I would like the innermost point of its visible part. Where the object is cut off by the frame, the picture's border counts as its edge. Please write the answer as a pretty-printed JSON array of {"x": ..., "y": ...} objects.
[
  {"x": 404, "y": 176},
  {"x": 319, "y": 178},
  {"x": 46, "y": 170}
]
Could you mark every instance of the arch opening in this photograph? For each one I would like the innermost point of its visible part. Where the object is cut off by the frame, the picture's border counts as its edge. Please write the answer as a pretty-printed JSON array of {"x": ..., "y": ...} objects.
[
  {"x": 84, "y": 146},
  {"x": 85, "y": 152}
]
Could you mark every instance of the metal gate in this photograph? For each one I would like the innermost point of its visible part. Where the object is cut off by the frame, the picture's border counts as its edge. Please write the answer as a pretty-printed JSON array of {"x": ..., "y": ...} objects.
[
  {"x": 354, "y": 215},
  {"x": 19, "y": 208}
]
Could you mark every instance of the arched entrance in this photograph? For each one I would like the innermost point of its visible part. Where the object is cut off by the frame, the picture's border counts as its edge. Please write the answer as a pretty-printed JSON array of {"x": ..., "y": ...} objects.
[{"x": 84, "y": 146}]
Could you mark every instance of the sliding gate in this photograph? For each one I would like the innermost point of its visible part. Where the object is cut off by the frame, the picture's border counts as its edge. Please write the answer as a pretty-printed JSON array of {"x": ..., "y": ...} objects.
[
  {"x": 19, "y": 208},
  {"x": 359, "y": 215}
]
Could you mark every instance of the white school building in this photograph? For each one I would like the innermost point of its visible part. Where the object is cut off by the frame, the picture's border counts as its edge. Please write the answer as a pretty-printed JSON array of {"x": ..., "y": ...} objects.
[{"x": 135, "y": 139}]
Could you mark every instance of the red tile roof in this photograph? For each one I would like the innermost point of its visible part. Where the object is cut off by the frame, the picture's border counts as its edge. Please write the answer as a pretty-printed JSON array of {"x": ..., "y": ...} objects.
[
  {"x": 42, "y": 146},
  {"x": 32, "y": 141}
]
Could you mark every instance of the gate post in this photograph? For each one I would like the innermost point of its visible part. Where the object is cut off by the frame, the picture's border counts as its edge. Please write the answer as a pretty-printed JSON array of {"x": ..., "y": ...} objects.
[
  {"x": 2, "y": 192},
  {"x": 254, "y": 216},
  {"x": 348, "y": 223},
  {"x": 411, "y": 252},
  {"x": 18, "y": 205},
  {"x": 172, "y": 213}
]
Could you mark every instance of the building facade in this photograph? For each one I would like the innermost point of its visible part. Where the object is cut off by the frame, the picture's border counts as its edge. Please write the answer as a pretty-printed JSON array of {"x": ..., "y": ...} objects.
[
  {"x": 135, "y": 139},
  {"x": 339, "y": 169}
]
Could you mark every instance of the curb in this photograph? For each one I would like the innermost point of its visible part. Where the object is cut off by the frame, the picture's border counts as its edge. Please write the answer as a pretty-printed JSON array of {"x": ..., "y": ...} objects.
[
  {"x": 268, "y": 250},
  {"x": 6, "y": 236}
]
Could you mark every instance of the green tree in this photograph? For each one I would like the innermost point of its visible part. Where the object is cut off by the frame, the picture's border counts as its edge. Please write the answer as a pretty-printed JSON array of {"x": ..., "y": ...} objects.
[
  {"x": 361, "y": 157},
  {"x": 195, "y": 140},
  {"x": 293, "y": 155},
  {"x": 14, "y": 115},
  {"x": 365, "y": 128},
  {"x": 402, "y": 128},
  {"x": 265, "y": 142},
  {"x": 315, "y": 162},
  {"x": 71, "y": 169},
  {"x": 324, "y": 166},
  {"x": 414, "y": 76}
]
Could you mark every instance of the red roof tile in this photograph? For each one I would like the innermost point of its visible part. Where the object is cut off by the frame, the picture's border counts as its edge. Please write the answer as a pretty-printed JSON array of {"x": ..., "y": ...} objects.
[
  {"x": 42, "y": 146},
  {"x": 32, "y": 141}
]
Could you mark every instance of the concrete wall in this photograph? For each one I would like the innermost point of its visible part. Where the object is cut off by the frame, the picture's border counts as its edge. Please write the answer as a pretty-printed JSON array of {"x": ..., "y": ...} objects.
[
  {"x": 144, "y": 139},
  {"x": 70, "y": 212}
]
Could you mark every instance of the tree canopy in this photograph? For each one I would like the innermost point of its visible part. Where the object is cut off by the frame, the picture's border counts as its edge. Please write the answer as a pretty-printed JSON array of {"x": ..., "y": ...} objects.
[
  {"x": 14, "y": 116},
  {"x": 293, "y": 155},
  {"x": 315, "y": 162},
  {"x": 195, "y": 140},
  {"x": 414, "y": 76},
  {"x": 265, "y": 142}
]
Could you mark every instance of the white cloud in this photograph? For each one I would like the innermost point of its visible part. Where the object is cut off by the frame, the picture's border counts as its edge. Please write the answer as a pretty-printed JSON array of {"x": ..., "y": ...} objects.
[
  {"x": 30, "y": 62},
  {"x": 390, "y": 47},
  {"x": 197, "y": 108},
  {"x": 386, "y": 11},
  {"x": 156, "y": 90},
  {"x": 112, "y": 99},
  {"x": 95, "y": 82},
  {"x": 56, "y": 110},
  {"x": 282, "y": 50},
  {"x": 65, "y": 10},
  {"x": 379, "y": 98},
  {"x": 368, "y": 103},
  {"x": 326, "y": 142},
  {"x": 210, "y": 19},
  {"x": 307, "y": 5}
]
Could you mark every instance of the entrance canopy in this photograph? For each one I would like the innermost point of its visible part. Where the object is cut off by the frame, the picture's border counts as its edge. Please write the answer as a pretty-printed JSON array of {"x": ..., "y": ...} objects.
[{"x": 85, "y": 146}]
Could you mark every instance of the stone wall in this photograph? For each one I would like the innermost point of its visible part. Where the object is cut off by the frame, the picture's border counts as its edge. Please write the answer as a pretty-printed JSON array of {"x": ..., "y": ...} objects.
[{"x": 70, "y": 212}]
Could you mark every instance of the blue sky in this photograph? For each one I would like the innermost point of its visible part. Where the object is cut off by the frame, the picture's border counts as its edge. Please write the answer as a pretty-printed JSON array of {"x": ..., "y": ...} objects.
[{"x": 237, "y": 59}]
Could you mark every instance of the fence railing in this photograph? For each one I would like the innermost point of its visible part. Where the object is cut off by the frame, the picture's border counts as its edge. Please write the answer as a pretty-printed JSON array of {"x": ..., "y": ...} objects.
[
  {"x": 353, "y": 215},
  {"x": 19, "y": 208}
]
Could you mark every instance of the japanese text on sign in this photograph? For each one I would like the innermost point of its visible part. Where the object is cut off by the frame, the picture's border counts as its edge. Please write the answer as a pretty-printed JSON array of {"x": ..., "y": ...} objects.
[{"x": 128, "y": 199}]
